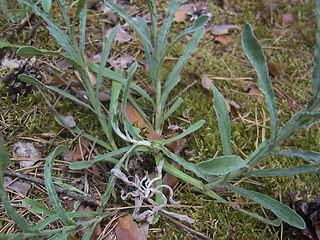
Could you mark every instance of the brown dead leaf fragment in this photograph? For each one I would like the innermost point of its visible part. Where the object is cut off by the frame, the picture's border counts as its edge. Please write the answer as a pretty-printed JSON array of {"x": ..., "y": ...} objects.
[
  {"x": 25, "y": 150},
  {"x": 223, "y": 39},
  {"x": 206, "y": 82},
  {"x": 122, "y": 35},
  {"x": 287, "y": 19},
  {"x": 17, "y": 186},
  {"x": 184, "y": 11},
  {"x": 121, "y": 63},
  {"x": 223, "y": 29},
  {"x": 276, "y": 69},
  {"x": 127, "y": 229}
]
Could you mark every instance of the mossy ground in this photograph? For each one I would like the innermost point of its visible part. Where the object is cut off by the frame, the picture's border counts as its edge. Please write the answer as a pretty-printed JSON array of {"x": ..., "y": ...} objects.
[{"x": 292, "y": 46}]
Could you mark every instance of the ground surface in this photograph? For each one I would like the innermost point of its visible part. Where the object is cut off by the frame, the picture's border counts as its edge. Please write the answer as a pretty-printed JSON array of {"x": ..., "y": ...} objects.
[{"x": 289, "y": 46}]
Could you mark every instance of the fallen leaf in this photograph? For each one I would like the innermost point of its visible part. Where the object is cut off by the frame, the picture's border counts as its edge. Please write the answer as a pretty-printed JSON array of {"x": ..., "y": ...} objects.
[
  {"x": 121, "y": 63},
  {"x": 17, "y": 186},
  {"x": 184, "y": 11},
  {"x": 64, "y": 65},
  {"x": 25, "y": 150},
  {"x": 127, "y": 229},
  {"x": 122, "y": 35},
  {"x": 206, "y": 82},
  {"x": 276, "y": 69},
  {"x": 254, "y": 90},
  {"x": 223, "y": 39},
  {"x": 80, "y": 151},
  {"x": 69, "y": 121},
  {"x": 223, "y": 29},
  {"x": 287, "y": 19}
]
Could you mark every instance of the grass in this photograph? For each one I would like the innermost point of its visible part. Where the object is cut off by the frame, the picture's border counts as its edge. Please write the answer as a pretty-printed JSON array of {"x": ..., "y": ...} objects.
[{"x": 292, "y": 45}]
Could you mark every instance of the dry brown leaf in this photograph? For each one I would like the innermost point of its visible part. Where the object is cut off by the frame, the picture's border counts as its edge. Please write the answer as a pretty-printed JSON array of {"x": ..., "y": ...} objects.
[
  {"x": 223, "y": 29},
  {"x": 122, "y": 35},
  {"x": 287, "y": 19},
  {"x": 121, "y": 63},
  {"x": 134, "y": 116},
  {"x": 184, "y": 11},
  {"x": 79, "y": 152},
  {"x": 223, "y": 39},
  {"x": 127, "y": 229},
  {"x": 17, "y": 186},
  {"x": 206, "y": 82},
  {"x": 25, "y": 150},
  {"x": 276, "y": 69}
]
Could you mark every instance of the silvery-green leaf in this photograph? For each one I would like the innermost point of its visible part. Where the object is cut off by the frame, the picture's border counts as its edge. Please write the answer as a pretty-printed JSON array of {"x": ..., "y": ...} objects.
[
  {"x": 223, "y": 121},
  {"x": 282, "y": 211},
  {"x": 221, "y": 165},
  {"x": 256, "y": 56}
]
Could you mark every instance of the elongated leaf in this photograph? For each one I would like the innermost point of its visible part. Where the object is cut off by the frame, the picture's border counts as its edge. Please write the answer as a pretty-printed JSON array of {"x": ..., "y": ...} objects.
[
  {"x": 174, "y": 78},
  {"x": 315, "y": 83},
  {"x": 37, "y": 207},
  {"x": 19, "y": 220},
  {"x": 42, "y": 14},
  {"x": 189, "y": 130},
  {"x": 64, "y": 13},
  {"x": 276, "y": 222},
  {"x": 172, "y": 109},
  {"x": 46, "y": 5},
  {"x": 306, "y": 155},
  {"x": 185, "y": 164},
  {"x": 45, "y": 222},
  {"x": 256, "y": 56},
  {"x": 115, "y": 92},
  {"x": 139, "y": 109},
  {"x": 165, "y": 27},
  {"x": 198, "y": 23},
  {"x": 105, "y": 56},
  {"x": 119, "y": 78},
  {"x": 89, "y": 230},
  {"x": 282, "y": 211},
  {"x": 130, "y": 21},
  {"x": 221, "y": 165},
  {"x": 149, "y": 51},
  {"x": 223, "y": 121},
  {"x": 32, "y": 80},
  {"x": 125, "y": 95},
  {"x": 284, "y": 171},
  {"x": 64, "y": 41},
  {"x": 80, "y": 8},
  {"x": 181, "y": 175},
  {"x": 29, "y": 51},
  {"x": 104, "y": 157},
  {"x": 7, "y": 44},
  {"x": 82, "y": 26},
  {"x": 51, "y": 189}
]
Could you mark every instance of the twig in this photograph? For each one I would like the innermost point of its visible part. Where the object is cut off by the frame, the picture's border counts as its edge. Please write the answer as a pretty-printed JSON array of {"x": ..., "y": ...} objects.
[
  {"x": 180, "y": 93},
  {"x": 185, "y": 227},
  {"x": 56, "y": 112},
  {"x": 76, "y": 196}
]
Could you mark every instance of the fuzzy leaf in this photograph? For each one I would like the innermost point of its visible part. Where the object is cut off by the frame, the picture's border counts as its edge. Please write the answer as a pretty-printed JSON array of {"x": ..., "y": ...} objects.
[
  {"x": 221, "y": 165},
  {"x": 32, "y": 80},
  {"x": 37, "y": 207},
  {"x": 284, "y": 171},
  {"x": 256, "y": 56},
  {"x": 165, "y": 27},
  {"x": 29, "y": 51},
  {"x": 198, "y": 23},
  {"x": 306, "y": 155},
  {"x": 282, "y": 211},
  {"x": 7, "y": 44},
  {"x": 174, "y": 78},
  {"x": 105, "y": 56},
  {"x": 46, "y": 5},
  {"x": 51, "y": 189},
  {"x": 19, "y": 220},
  {"x": 192, "y": 128},
  {"x": 223, "y": 121}
]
